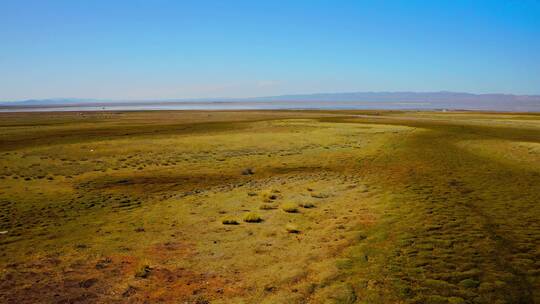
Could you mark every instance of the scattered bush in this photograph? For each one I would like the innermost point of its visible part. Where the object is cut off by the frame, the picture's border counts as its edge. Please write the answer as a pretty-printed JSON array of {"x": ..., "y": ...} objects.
[
  {"x": 248, "y": 171},
  {"x": 143, "y": 270},
  {"x": 229, "y": 221},
  {"x": 307, "y": 205},
  {"x": 434, "y": 299},
  {"x": 88, "y": 283},
  {"x": 469, "y": 283},
  {"x": 290, "y": 207},
  {"x": 361, "y": 236},
  {"x": 201, "y": 300},
  {"x": 252, "y": 217},
  {"x": 269, "y": 196},
  {"x": 438, "y": 284},
  {"x": 292, "y": 228},
  {"x": 267, "y": 207},
  {"x": 129, "y": 291},
  {"x": 456, "y": 300}
]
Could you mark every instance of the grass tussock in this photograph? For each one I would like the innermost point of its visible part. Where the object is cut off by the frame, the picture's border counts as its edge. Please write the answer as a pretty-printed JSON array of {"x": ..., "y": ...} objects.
[
  {"x": 307, "y": 205},
  {"x": 252, "y": 217},
  {"x": 290, "y": 207},
  {"x": 143, "y": 269},
  {"x": 270, "y": 195},
  {"x": 229, "y": 221},
  {"x": 267, "y": 207},
  {"x": 469, "y": 283},
  {"x": 292, "y": 228}
]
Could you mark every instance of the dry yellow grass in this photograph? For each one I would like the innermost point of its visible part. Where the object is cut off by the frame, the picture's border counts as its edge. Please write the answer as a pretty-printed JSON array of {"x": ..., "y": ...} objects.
[{"x": 423, "y": 207}]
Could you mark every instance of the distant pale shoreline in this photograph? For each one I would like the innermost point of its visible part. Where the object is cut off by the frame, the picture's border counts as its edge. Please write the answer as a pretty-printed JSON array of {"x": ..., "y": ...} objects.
[{"x": 274, "y": 105}]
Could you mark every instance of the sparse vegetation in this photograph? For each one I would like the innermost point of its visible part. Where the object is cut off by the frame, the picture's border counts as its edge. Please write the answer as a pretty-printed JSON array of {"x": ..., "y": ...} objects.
[
  {"x": 407, "y": 207},
  {"x": 248, "y": 171},
  {"x": 307, "y": 205},
  {"x": 143, "y": 270},
  {"x": 469, "y": 283},
  {"x": 267, "y": 207},
  {"x": 252, "y": 217},
  {"x": 270, "y": 195},
  {"x": 229, "y": 221},
  {"x": 292, "y": 228},
  {"x": 319, "y": 195},
  {"x": 290, "y": 207}
]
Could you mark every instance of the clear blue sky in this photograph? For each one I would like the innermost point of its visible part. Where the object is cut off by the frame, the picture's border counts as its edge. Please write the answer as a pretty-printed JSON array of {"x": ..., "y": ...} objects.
[{"x": 173, "y": 49}]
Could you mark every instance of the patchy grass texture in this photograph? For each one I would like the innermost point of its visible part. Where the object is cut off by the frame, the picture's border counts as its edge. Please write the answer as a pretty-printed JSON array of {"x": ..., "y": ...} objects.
[{"x": 157, "y": 207}]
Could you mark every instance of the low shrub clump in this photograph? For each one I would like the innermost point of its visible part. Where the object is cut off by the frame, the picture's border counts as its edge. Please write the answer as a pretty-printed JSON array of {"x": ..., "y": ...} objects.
[
  {"x": 143, "y": 270},
  {"x": 292, "y": 228},
  {"x": 320, "y": 195},
  {"x": 267, "y": 207},
  {"x": 248, "y": 171},
  {"x": 229, "y": 221},
  {"x": 252, "y": 217},
  {"x": 270, "y": 195},
  {"x": 469, "y": 283},
  {"x": 290, "y": 207},
  {"x": 307, "y": 205}
]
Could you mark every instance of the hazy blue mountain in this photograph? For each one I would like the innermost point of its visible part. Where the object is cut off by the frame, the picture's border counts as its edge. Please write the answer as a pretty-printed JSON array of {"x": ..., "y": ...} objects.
[
  {"x": 49, "y": 101},
  {"x": 433, "y": 97}
]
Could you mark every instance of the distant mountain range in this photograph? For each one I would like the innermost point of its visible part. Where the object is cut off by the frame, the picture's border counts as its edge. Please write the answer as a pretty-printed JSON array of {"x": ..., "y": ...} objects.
[
  {"x": 420, "y": 100},
  {"x": 52, "y": 102},
  {"x": 431, "y": 97}
]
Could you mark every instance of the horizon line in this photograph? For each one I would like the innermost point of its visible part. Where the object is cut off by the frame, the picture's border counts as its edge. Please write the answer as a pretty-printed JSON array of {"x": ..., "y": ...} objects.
[{"x": 259, "y": 97}]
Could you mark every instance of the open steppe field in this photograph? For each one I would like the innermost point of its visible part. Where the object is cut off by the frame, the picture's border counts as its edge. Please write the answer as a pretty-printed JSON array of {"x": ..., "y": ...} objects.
[{"x": 269, "y": 207}]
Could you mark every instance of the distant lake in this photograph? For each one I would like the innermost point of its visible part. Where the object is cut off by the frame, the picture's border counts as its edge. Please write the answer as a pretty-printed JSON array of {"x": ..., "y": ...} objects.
[{"x": 274, "y": 105}]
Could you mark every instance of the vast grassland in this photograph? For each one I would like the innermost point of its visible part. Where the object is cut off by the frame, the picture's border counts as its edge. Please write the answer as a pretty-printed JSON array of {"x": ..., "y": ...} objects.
[{"x": 269, "y": 207}]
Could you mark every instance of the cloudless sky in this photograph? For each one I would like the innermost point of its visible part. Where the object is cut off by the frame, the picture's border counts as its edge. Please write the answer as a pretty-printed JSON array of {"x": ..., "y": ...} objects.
[{"x": 174, "y": 49}]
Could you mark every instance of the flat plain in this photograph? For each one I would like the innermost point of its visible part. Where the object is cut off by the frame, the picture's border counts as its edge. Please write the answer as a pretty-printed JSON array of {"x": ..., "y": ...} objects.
[{"x": 269, "y": 207}]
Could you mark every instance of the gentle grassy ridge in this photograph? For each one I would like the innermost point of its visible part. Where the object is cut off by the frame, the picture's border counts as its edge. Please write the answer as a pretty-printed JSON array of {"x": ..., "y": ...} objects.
[{"x": 461, "y": 227}]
